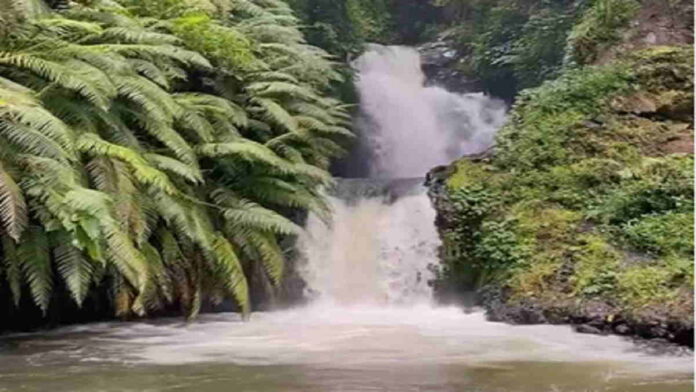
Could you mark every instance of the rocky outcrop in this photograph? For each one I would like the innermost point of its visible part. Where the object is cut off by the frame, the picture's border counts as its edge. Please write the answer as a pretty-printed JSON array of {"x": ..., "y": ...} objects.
[
  {"x": 442, "y": 65},
  {"x": 654, "y": 24},
  {"x": 591, "y": 317}
]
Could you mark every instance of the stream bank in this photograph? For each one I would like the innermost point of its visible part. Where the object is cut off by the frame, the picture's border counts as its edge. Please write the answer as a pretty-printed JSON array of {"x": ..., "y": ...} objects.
[{"x": 583, "y": 212}]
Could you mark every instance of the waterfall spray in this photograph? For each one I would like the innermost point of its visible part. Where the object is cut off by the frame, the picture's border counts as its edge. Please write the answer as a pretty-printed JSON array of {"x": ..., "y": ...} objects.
[{"x": 412, "y": 128}]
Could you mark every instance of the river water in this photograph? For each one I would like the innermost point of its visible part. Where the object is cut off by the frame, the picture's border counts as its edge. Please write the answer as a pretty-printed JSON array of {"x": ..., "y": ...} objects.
[
  {"x": 371, "y": 323},
  {"x": 327, "y": 349}
]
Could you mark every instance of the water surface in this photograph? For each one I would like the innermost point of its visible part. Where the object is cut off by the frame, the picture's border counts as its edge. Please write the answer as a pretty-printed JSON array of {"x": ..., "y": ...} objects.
[{"x": 327, "y": 348}]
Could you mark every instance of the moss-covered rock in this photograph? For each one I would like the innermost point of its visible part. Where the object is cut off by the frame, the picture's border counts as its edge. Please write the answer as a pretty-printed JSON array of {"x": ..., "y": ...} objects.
[{"x": 584, "y": 213}]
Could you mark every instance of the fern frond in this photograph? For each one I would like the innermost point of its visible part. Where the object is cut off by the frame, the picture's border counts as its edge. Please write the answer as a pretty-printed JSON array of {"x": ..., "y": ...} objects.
[
  {"x": 271, "y": 89},
  {"x": 176, "y": 167},
  {"x": 93, "y": 145},
  {"x": 136, "y": 36},
  {"x": 245, "y": 214},
  {"x": 158, "y": 271},
  {"x": 13, "y": 208},
  {"x": 60, "y": 74},
  {"x": 262, "y": 246},
  {"x": 75, "y": 269},
  {"x": 12, "y": 268},
  {"x": 275, "y": 113},
  {"x": 247, "y": 151},
  {"x": 228, "y": 268},
  {"x": 67, "y": 27},
  {"x": 34, "y": 257}
]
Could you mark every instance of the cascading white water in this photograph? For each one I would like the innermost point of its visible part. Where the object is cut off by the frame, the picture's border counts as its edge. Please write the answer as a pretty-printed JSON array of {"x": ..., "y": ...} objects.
[
  {"x": 412, "y": 128},
  {"x": 374, "y": 253},
  {"x": 379, "y": 247}
]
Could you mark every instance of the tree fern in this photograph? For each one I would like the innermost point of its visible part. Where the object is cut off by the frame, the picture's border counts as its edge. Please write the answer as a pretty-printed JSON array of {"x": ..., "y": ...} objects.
[{"x": 150, "y": 168}]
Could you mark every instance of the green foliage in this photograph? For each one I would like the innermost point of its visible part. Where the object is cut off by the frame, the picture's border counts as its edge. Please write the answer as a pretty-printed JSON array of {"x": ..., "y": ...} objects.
[
  {"x": 596, "y": 267},
  {"x": 640, "y": 286},
  {"x": 131, "y": 153},
  {"x": 535, "y": 55},
  {"x": 498, "y": 246},
  {"x": 581, "y": 200},
  {"x": 477, "y": 245},
  {"x": 546, "y": 120},
  {"x": 371, "y": 20},
  {"x": 509, "y": 45},
  {"x": 657, "y": 186},
  {"x": 514, "y": 45},
  {"x": 343, "y": 27},
  {"x": 668, "y": 234},
  {"x": 494, "y": 44},
  {"x": 599, "y": 27},
  {"x": 468, "y": 174},
  {"x": 226, "y": 46}
]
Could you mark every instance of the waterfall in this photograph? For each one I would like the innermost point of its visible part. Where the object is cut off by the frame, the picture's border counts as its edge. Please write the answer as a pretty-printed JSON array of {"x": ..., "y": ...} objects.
[
  {"x": 410, "y": 127},
  {"x": 381, "y": 245},
  {"x": 378, "y": 248}
]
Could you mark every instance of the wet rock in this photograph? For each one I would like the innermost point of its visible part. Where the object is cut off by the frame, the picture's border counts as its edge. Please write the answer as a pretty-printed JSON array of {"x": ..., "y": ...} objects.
[
  {"x": 442, "y": 64},
  {"x": 592, "y": 124},
  {"x": 676, "y": 105},
  {"x": 593, "y": 317},
  {"x": 437, "y": 54},
  {"x": 622, "y": 329},
  {"x": 523, "y": 312},
  {"x": 586, "y": 328}
]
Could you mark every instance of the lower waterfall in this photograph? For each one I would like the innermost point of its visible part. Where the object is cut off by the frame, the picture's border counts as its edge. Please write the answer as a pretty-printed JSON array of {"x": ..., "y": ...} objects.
[{"x": 379, "y": 248}]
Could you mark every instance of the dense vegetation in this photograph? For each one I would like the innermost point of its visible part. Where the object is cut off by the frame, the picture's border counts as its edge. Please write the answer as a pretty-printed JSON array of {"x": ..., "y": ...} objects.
[
  {"x": 589, "y": 196},
  {"x": 513, "y": 45},
  {"x": 343, "y": 27},
  {"x": 153, "y": 151},
  {"x": 509, "y": 45}
]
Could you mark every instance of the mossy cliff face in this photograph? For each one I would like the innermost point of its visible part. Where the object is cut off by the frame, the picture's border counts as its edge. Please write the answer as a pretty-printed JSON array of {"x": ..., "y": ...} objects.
[{"x": 584, "y": 211}]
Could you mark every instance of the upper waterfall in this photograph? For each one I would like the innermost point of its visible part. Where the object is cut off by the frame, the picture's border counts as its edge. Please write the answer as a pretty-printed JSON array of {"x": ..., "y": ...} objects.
[{"x": 410, "y": 127}]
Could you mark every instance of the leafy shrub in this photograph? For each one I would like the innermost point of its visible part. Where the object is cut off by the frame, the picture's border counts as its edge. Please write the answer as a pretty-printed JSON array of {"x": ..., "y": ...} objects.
[
  {"x": 596, "y": 267},
  {"x": 371, "y": 20},
  {"x": 657, "y": 186},
  {"x": 537, "y": 53},
  {"x": 668, "y": 234},
  {"x": 493, "y": 48},
  {"x": 534, "y": 279},
  {"x": 227, "y": 46},
  {"x": 498, "y": 246},
  {"x": 599, "y": 27},
  {"x": 547, "y": 119},
  {"x": 468, "y": 174},
  {"x": 640, "y": 286}
]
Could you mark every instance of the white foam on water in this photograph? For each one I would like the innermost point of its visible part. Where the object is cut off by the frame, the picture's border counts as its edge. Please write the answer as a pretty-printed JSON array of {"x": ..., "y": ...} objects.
[{"x": 326, "y": 335}]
